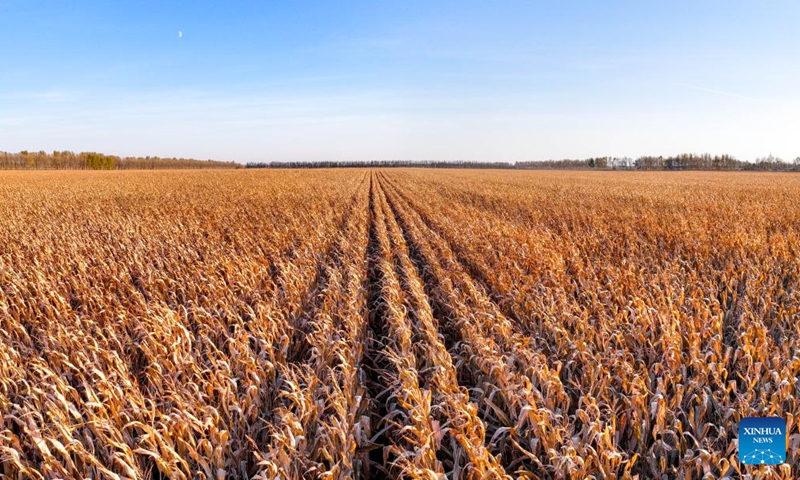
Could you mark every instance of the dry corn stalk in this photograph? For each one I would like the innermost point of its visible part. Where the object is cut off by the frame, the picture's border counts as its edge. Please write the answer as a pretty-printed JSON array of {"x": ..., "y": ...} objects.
[{"x": 399, "y": 323}]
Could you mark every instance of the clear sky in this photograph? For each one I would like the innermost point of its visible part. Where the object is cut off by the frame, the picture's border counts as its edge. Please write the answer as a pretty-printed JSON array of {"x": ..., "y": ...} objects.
[{"x": 352, "y": 80}]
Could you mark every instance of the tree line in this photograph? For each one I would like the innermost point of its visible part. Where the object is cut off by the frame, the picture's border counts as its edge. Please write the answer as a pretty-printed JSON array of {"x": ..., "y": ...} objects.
[
  {"x": 684, "y": 161},
  {"x": 66, "y": 160},
  {"x": 380, "y": 164}
]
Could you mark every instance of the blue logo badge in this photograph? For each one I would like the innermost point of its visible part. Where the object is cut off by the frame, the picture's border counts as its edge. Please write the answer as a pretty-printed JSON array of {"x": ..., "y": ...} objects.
[{"x": 762, "y": 441}]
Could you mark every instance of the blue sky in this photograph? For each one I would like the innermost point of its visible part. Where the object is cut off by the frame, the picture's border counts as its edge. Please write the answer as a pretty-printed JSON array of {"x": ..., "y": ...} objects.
[{"x": 345, "y": 80}]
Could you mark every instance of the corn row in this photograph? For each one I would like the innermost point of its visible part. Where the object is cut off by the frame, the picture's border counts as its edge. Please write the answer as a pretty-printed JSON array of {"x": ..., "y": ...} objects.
[
  {"x": 415, "y": 441},
  {"x": 317, "y": 427},
  {"x": 457, "y": 421}
]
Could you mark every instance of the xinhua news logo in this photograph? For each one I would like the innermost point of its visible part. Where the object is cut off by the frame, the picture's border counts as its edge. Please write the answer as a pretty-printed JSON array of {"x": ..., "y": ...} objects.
[{"x": 762, "y": 441}]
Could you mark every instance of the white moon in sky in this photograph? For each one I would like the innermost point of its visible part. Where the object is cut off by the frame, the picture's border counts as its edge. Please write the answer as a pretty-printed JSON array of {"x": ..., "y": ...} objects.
[{"x": 180, "y": 34}]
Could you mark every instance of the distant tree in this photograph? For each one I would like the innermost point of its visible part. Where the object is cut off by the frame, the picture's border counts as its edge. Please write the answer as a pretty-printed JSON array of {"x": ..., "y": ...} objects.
[
  {"x": 649, "y": 163},
  {"x": 97, "y": 161},
  {"x": 769, "y": 163},
  {"x": 622, "y": 163}
]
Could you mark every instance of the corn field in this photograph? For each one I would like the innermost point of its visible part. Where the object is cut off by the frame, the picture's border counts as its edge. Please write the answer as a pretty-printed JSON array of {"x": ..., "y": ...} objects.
[{"x": 395, "y": 323}]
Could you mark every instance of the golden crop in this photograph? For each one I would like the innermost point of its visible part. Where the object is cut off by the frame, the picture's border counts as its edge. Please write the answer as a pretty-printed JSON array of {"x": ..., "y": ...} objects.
[{"x": 395, "y": 323}]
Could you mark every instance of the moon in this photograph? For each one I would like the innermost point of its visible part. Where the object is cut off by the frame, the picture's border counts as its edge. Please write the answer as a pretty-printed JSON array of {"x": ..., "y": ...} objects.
[{"x": 180, "y": 34}]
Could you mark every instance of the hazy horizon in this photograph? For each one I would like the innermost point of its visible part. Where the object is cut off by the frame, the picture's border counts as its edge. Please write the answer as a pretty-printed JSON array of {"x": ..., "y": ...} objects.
[{"x": 414, "y": 80}]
